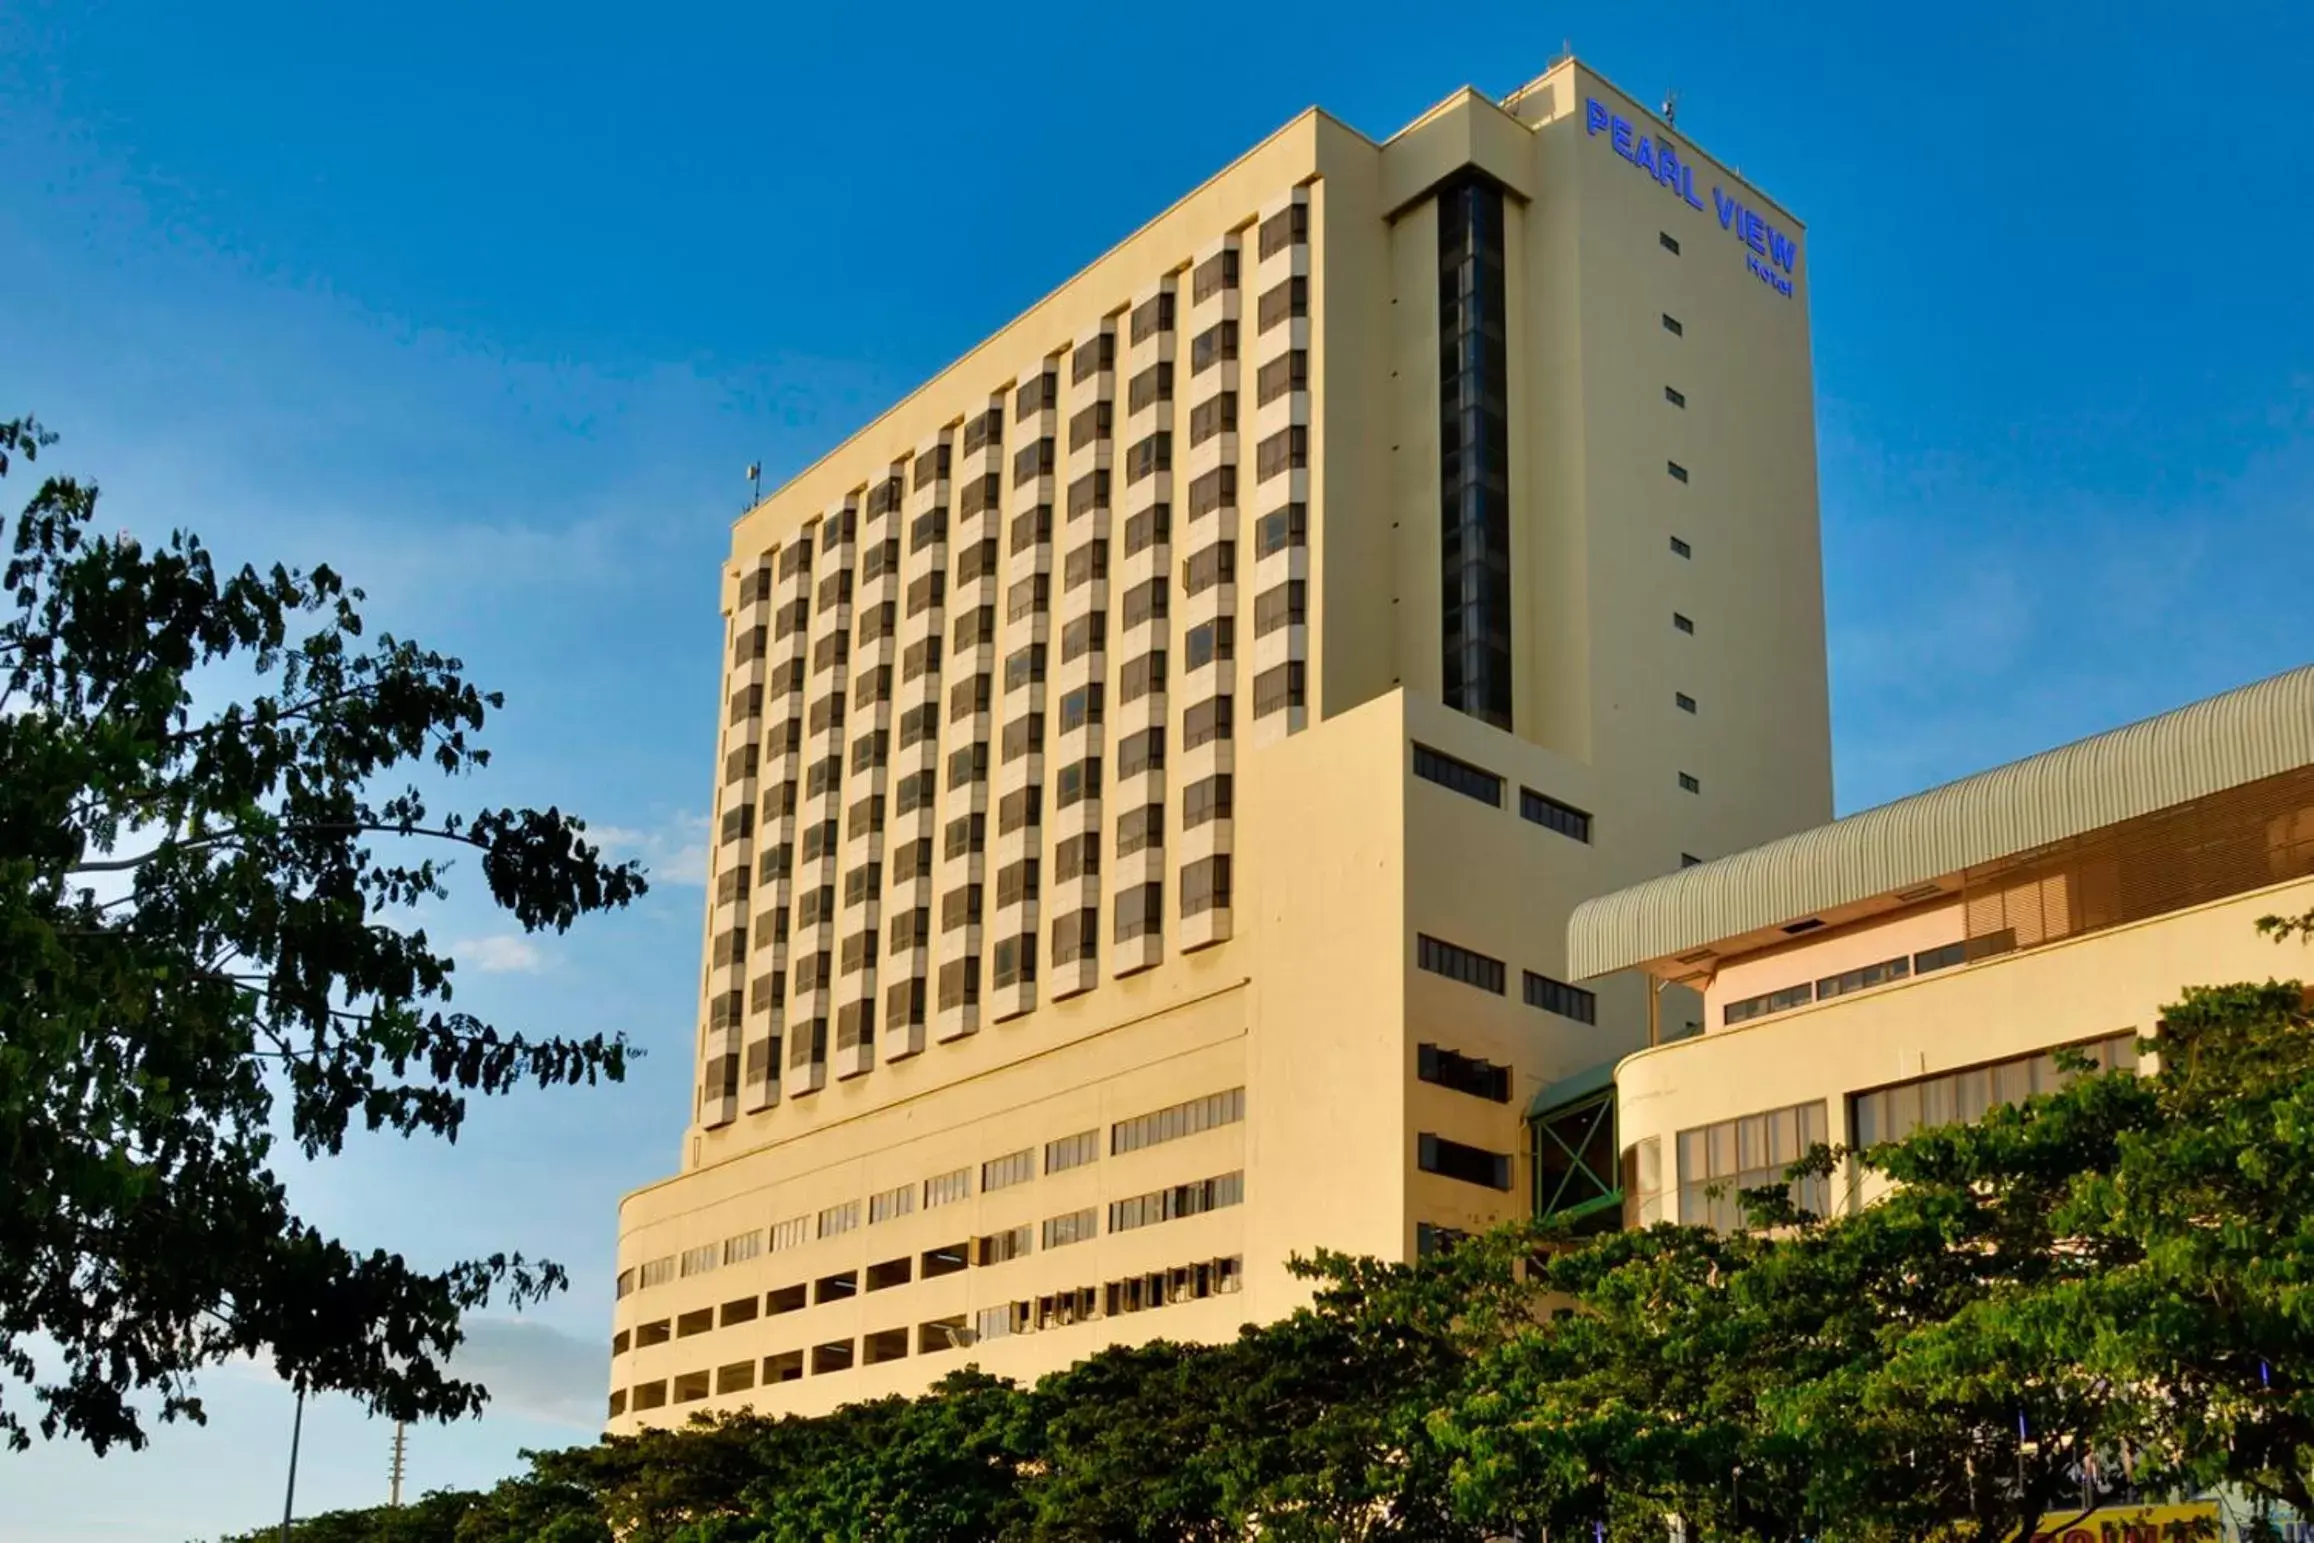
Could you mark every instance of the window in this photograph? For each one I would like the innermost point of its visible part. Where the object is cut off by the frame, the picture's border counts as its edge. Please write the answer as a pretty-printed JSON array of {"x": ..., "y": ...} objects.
[
  {"x": 1089, "y": 425},
  {"x": 1210, "y": 641},
  {"x": 1282, "y": 528},
  {"x": 1004, "y": 1172},
  {"x": 1458, "y": 963},
  {"x": 1142, "y": 676},
  {"x": 1217, "y": 489},
  {"x": 1146, "y": 529},
  {"x": 1166, "y": 1205},
  {"x": 891, "y": 1204},
  {"x": 1668, "y": 241},
  {"x": 1029, "y": 527},
  {"x": 839, "y": 1219},
  {"x": 1286, "y": 450},
  {"x": 1016, "y": 882},
  {"x": 1092, "y": 357},
  {"x": 1152, "y": 316},
  {"x": 1176, "y": 1121},
  {"x": 1460, "y": 776},
  {"x": 1895, "y": 1112},
  {"x": 1289, "y": 371},
  {"x": 1089, "y": 492},
  {"x": 1031, "y": 461},
  {"x": 698, "y": 1261},
  {"x": 1215, "y": 274},
  {"x": 1077, "y": 857},
  {"x": 1474, "y": 460},
  {"x": 1149, "y": 387},
  {"x": 1075, "y": 1227},
  {"x": 1022, "y": 806},
  {"x": 1281, "y": 605},
  {"x": 1081, "y": 708},
  {"x": 966, "y": 833},
  {"x": 942, "y": 1188},
  {"x": 1282, "y": 301},
  {"x": 1864, "y": 978},
  {"x": 746, "y": 1246},
  {"x": 1072, "y": 1151},
  {"x": 1451, "y": 1069},
  {"x": 1022, "y": 667},
  {"x": 1290, "y": 226},
  {"x": 968, "y": 764},
  {"x": 1205, "y": 885},
  {"x": 1083, "y": 635},
  {"x": 1941, "y": 958},
  {"x": 1556, "y": 996},
  {"x": 1207, "y": 721},
  {"x": 1680, "y": 548},
  {"x": 1274, "y": 689},
  {"x": 985, "y": 430},
  {"x": 1215, "y": 415},
  {"x": 1140, "y": 828},
  {"x": 1678, "y": 472},
  {"x": 1140, "y": 911},
  {"x": 1212, "y": 346},
  {"x": 1683, "y": 623},
  {"x": 792, "y": 1233},
  {"x": 1077, "y": 781},
  {"x": 980, "y": 494},
  {"x": 1215, "y": 564},
  {"x": 960, "y": 907},
  {"x": 1204, "y": 801},
  {"x": 1149, "y": 455},
  {"x": 1085, "y": 564},
  {"x": 922, "y": 658},
  {"x": 1145, "y": 602},
  {"x": 1767, "y": 1002},
  {"x": 1472, "y": 1165},
  {"x": 1013, "y": 961},
  {"x": 1076, "y": 935},
  {"x": 976, "y": 627},
  {"x": 1037, "y": 395},
  {"x": 1717, "y": 1162},
  {"x": 1689, "y": 784},
  {"x": 999, "y": 1247},
  {"x": 1675, "y": 396},
  {"x": 1023, "y": 736},
  {"x": 1672, "y": 326}
]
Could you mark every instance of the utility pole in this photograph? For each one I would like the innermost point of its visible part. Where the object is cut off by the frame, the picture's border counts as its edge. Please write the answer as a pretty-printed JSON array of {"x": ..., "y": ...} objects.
[
  {"x": 395, "y": 1470},
  {"x": 296, "y": 1429}
]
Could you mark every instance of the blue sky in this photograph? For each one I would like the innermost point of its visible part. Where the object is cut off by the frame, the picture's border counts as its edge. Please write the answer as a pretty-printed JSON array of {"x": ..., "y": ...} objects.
[{"x": 489, "y": 306}]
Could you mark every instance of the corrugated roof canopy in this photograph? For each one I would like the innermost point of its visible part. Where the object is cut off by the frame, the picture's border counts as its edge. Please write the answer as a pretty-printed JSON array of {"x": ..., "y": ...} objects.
[{"x": 2256, "y": 731}]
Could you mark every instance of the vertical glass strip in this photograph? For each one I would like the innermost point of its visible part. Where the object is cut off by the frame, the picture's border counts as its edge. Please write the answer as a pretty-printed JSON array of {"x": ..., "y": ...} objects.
[{"x": 1474, "y": 452}]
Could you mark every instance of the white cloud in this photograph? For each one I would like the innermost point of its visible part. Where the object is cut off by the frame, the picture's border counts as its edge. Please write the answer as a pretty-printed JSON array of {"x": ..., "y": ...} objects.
[
  {"x": 673, "y": 852},
  {"x": 503, "y": 953}
]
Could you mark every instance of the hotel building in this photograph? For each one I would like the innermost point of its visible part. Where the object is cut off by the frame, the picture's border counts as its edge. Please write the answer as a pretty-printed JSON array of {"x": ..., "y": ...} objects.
[
  {"x": 1918, "y": 963},
  {"x": 1159, "y": 756}
]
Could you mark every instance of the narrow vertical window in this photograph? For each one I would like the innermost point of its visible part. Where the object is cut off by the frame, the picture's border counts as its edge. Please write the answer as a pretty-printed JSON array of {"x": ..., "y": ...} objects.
[{"x": 1474, "y": 453}]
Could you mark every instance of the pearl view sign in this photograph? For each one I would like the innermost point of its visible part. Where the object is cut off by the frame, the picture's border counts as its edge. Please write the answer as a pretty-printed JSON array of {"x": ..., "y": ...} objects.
[{"x": 1769, "y": 248}]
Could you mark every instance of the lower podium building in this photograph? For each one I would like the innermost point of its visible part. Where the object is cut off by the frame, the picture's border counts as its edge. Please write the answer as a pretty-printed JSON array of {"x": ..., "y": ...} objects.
[
  {"x": 1920, "y": 962},
  {"x": 1158, "y": 757}
]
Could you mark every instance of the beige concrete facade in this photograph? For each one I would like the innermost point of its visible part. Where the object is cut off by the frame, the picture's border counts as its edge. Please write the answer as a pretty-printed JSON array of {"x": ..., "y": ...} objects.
[
  {"x": 2103, "y": 879},
  {"x": 1161, "y": 590}
]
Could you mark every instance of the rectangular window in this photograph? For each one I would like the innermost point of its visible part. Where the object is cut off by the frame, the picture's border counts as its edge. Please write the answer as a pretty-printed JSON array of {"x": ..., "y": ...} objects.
[
  {"x": 1140, "y": 911},
  {"x": 1021, "y": 807},
  {"x": 1149, "y": 455},
  {"x": 1281, "y": 529},
  {"x": 1016, "y": 882},
  {"x": 942, "y": 1188},
  {"x": 891, "y": 1204},
  {"x": 1214, "y": 345},
  {"x": 1215, "y": 415},
  {"x": 960, "y": 983},
  {"x": 1078, "y": 857},
  {"x": 1030, "y": 597},
  {"x": 1151, "y": 527},
  {"x": 1668, "y": 241},
  {"x": 1940, "y": 958},
  {"x": 1022, "y": 737},
  {"x": 1215, "y": 564},
  {"x": 1460, "y": 776},
  {"x": 1089, "y": 492},
  {"x": 1463, "y": 1074},
  {"x": 1166, "y": 1205},
  {"x": 1207, "y": 721},
  {"x": 1175, "y": 1121},
  {"x": 1085, "y": 564},
  {"x": 1963, "y": 1097},
  {"x": 1472, "y": 1165},
  {"x": 966, "y": 833},
  {"x": 1556, "y": 996},
  {"x": 1140, "y": 828},
  {"x": 1782, "y": 1001},
  {"x": 1680, "y": 548},
  {"x": 1036, "y": 395},
  {"x": 1004, "y": 1172},
  {"x": 1089, "y": 425},
  {"x": 1290, "y": 226},
  {"x": 1081, "y": 708},
  {"x": 1675, "y": 396},
  {"x": 839, "y": 1219},
  {"x": 1217, "y": 489},
  {"x": 1075, "y": 1227},
  {"x": 1282, "y": 301},
  {"x": 1718, "y": 1162},
  {"x": 1457, "y": 963},
  {"x": 1281, "y": 605},
  {"x": 1142, "y": 676},
  {"x": 1076, "y": 936},
  {"x": 1864, "y": 978},
  {"x": 1689, "y": 784},
  {"x": 1152, "y": 316},
  {"x": 1093, "y": 356},
  {"x": 1210, "y": 641},
  {"x": 1286, "y": 450},
  {"x": 921, "y": 658},
  {"x": 1683, "y": 701},
  {"x": 1145, "y": 602},
  {"x": 1073, "y": 1151},
  {"x": 1083, "y": 635},
  {"x": 1205, "y": 885},
  {"x": 1032, "y": 460},
  {"x": 1289, "y": 371},
  {"x": 1474, "y": 459},
  {"x": 1677, "y": 471},
  {"x": 1278, "y": 688},
  {"x": 1077, "y": 781},
  {"x": 1205, "y": 800},
  {"x": 1149, "y": 387},
  {"x": 985, "y": 430},
  {"x": 999, "y": 1247},
  {"x": 1682, "y": 623},
  {"x": 1215, "y": 274},
  {"x": 1023, "y": 667},
  {"x": 1672, "y": 326}
]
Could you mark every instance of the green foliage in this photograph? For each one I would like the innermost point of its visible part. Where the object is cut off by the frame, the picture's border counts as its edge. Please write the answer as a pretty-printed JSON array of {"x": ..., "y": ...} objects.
[{"x": 197, "y": 901}]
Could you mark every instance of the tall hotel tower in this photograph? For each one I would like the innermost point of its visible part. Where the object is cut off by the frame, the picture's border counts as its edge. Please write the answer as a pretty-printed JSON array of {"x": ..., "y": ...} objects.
[{"x": 1159, "y": 756}]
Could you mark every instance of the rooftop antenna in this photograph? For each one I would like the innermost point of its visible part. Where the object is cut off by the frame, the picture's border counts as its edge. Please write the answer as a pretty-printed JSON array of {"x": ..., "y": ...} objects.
[
  {"x": 399, "y": 1464},
  {"x": 754, "y": 483},
  {"x": 1671, "y": 108}
]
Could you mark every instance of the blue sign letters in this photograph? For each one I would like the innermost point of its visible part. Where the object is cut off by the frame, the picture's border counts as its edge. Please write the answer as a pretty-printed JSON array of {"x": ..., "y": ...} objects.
[{"x": 1769, "y": 248}]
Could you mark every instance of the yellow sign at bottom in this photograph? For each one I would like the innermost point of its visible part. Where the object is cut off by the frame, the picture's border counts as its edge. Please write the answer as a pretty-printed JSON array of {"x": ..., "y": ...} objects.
[{"x": 2130, "y": 1524}]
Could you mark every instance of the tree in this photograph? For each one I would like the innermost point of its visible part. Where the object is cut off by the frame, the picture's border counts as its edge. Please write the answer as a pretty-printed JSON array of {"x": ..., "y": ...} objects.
[{"x": 198, "y": 910}]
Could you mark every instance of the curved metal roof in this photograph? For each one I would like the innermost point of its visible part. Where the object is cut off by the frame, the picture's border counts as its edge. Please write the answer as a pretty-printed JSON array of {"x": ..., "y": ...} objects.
[{"x": 2224, "y": 741}]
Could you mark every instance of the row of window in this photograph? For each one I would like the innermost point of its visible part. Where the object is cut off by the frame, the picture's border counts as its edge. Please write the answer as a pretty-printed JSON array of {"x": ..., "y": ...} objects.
[
  {"x": 1155, "y": 1128},
  {"x": 1477, "y": 782},
  {"x": 1488, "y": 973},
  {"x": 1085, "y": 1304},
  {"x": 1864, "y": 977}
]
